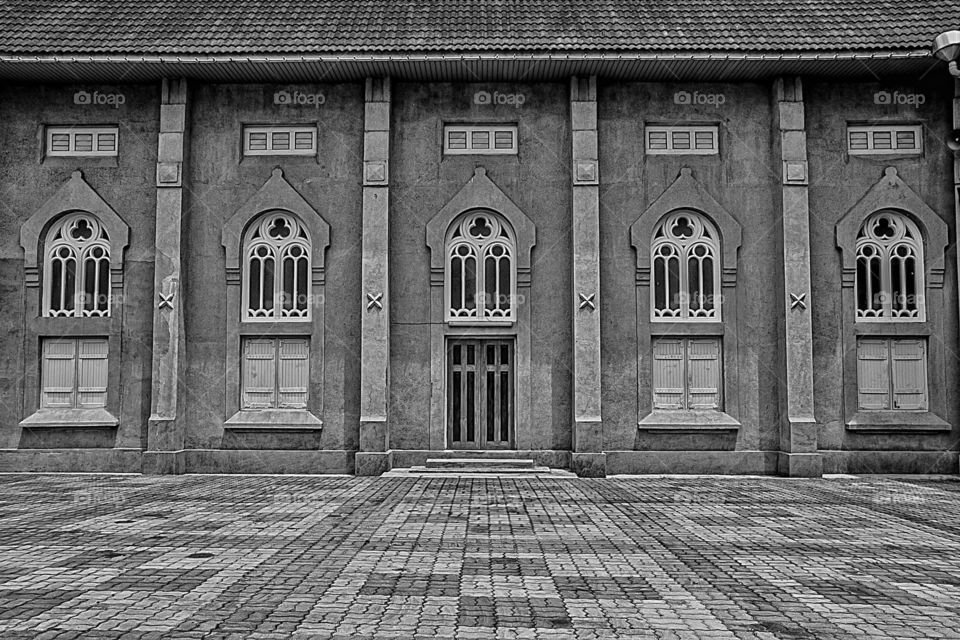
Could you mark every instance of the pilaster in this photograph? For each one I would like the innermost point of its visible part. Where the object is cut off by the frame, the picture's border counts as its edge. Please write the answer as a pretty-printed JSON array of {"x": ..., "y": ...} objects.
[
  {"x": 588, "y": 458},
  {"x": 799, "y": 454},
  {"x": 166, "y": 429},
  {"x": 373, "y": 458}
]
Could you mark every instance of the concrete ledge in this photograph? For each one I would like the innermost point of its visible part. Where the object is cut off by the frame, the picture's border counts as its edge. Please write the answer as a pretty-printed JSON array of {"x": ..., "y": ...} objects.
[
  {"x": 692, "y": 462},
  {"x": 589, "y": 465},
  {"x": 688, "y": 421},
  {"x": 268, "y": 461},
  {"x": 913, "y": 462},
  {"x": 70, "y": 460},
  {"x": 897, "y": 422},
  {"x": 404, "y": 458},
  {"x": 373, "y": 463},
  {"x": 800, "y": 465},
  {"x": 163, "y": 462}
]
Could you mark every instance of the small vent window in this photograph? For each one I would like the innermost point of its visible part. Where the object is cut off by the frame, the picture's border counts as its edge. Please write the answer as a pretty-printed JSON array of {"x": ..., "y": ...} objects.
[
  {"x": 279, "y": 141},
  {"x": 882, "y": 140},
  {"x": 480, "y": 140},
  {"x": 82, "y": 141},
  {"x": 682, "y": 140}
]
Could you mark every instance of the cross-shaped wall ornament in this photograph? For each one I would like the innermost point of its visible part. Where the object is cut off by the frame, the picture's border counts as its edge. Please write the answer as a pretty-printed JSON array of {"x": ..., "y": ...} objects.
[
  {"x": 798, "y": 301},
  {"x": 374, "y": 300},
  {"x": 587, "y": 301},
  {"x": 166, "y": 301}
]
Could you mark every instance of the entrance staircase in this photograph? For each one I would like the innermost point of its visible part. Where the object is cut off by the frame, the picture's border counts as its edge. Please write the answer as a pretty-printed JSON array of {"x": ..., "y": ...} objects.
[{"x": 478, "y": 467}]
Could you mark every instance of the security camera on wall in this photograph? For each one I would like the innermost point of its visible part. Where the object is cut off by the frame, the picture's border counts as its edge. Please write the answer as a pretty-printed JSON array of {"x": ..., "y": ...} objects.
[{"x": 953, "y": 140}]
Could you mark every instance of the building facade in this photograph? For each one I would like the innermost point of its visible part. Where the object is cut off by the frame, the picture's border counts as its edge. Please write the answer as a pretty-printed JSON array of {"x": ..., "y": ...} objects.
[{"x": 336, "y": 260}]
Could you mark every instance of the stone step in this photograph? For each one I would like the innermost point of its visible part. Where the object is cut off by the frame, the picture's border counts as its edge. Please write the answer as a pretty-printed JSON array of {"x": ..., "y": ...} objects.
[
  {"x": 491, "y": 464},
  {"x": 486, "y": 472}
]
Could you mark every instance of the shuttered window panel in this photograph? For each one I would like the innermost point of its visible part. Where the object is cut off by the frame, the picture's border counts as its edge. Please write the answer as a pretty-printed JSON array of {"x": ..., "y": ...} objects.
[
  {"x": 59, "y": 373},
  {"x": 668, "y": 374},
  {"x": 873, "y": 374},
  {"x": 687, "y": 374},
  {"x": 74, "y": 373},
  {"x": 292, "y": 373},
  {"x": 92, "y": 373},
  {"x": 703, "y": 373},
  {"x": 259, "y": 374},
  {"x": 275, "y": 373},
  {"x": 892, "y": 374},
  {"x": 909, "y": 365}
]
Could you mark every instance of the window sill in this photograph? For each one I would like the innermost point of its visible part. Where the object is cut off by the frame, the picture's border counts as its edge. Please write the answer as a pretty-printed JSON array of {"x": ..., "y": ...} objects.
[
  {"x": 480, "y": 323},
  {"x": 52, "y": 418},
  {"x": 897, "y": 421},
  {"x": 278, "y": 328},
  {"x": 892, "y": 328},
  {"x": 698, "y": 420},
  {"x": 274, "y": 419},
  {"x": 87, "y": 162},
  {"x": 686, "y": 328}
]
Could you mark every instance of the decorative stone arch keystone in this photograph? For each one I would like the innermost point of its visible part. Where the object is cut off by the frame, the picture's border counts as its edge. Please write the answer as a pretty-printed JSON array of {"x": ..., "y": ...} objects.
[
  {"x": 480, "y": 193},
  {"x": 891, "y": 193},
  {"x": 275, "y": 195},
  {"x": 686, "y": 193},
  {"x": 75, "y": 196}
]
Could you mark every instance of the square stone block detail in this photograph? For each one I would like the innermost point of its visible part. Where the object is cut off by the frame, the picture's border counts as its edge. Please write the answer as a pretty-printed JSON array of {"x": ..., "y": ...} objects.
[
  {"x": 168, "y": 174},
  {"x": 589, "y": 465},
  {"x": 585, "y": 172},
  {"x": 791, "y": 116},
  {"x": 372, "y": 464},
  {"x": 795, "y": 172},
  {"x": 375, "y": 172}
]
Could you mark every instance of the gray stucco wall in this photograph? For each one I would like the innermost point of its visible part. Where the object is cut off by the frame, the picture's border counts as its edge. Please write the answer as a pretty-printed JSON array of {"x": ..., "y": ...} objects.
[
  {"x": 538, "y": 181},
  {"x": 126, "y": 183},
  {"x": 219, "y": 183},
  {"x": 741, "y": 179},
  {"x": 837, "y": 182}
]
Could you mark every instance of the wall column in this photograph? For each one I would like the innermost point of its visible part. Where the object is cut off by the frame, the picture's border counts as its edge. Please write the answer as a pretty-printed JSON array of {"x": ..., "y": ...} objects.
[
  {"x": 799, "y": 455},
  {"x": 166, "y": 435},
  {"x": 587, "y": 458},
  {"x": 374, "y": 456}
]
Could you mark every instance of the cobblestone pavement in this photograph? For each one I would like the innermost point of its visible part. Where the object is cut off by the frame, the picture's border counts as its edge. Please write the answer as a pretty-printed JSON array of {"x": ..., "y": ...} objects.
[{"x": 336, "y": 557}]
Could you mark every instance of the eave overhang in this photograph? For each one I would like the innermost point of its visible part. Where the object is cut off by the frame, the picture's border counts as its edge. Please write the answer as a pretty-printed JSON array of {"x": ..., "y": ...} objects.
[{"x": 467, "y": 67}]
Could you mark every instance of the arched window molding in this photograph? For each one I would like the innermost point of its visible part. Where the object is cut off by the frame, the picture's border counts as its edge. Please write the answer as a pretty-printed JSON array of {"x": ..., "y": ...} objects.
[
  {"x": 924, "y": 233},
  {"x": 276, "y": 269},
  {"x": 76, "y": 228},
  {"x": 480, "y": 274},
  {"x": 480, "y": 196},
  {"x": 889, "y": 280},
  {"x": 298, "y": 291},
  {"x": 76, "y": 272},
  {"x": 685, "y": 216},
  {"x": 686, "y": 276}
]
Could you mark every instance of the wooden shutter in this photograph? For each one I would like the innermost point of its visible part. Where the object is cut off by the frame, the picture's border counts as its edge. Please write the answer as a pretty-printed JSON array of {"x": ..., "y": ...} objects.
[
  {"x": 58, "y": 384},
  {"x": 259, "y": 374},
  {"x": 873, "y": 373},
  {"x": 668, "y": 383},
  {"x": 292, "y": 378},
  {"x": 909, "y": 374},
  {"x": 92, "y": 372},
  {"x": 703, "y": 373}
]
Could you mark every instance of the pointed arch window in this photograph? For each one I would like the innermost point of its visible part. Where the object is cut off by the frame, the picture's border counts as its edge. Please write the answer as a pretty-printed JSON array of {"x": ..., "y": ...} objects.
[
  {"x": 480, "y": 269},
  {"x": 77, "y": 268},
  {"x": 889, "y": 279},
  {"x": 276, "y": 269},
  {"x": 686, "y": 277}
]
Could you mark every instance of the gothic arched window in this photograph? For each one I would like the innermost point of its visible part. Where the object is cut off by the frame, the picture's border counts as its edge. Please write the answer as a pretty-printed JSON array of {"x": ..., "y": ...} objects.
[
  {"x": 276, "y": 269},
  {"x": 889, "y": 280},
  {"x": 686, "y": 277},
  {"x": 77, "y": 268},
  {"x": 480, "y": 269}
]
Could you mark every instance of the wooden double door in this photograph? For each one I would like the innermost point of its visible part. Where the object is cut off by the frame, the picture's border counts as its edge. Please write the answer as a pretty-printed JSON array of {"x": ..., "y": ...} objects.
[{"x": 480, "y": 393}]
